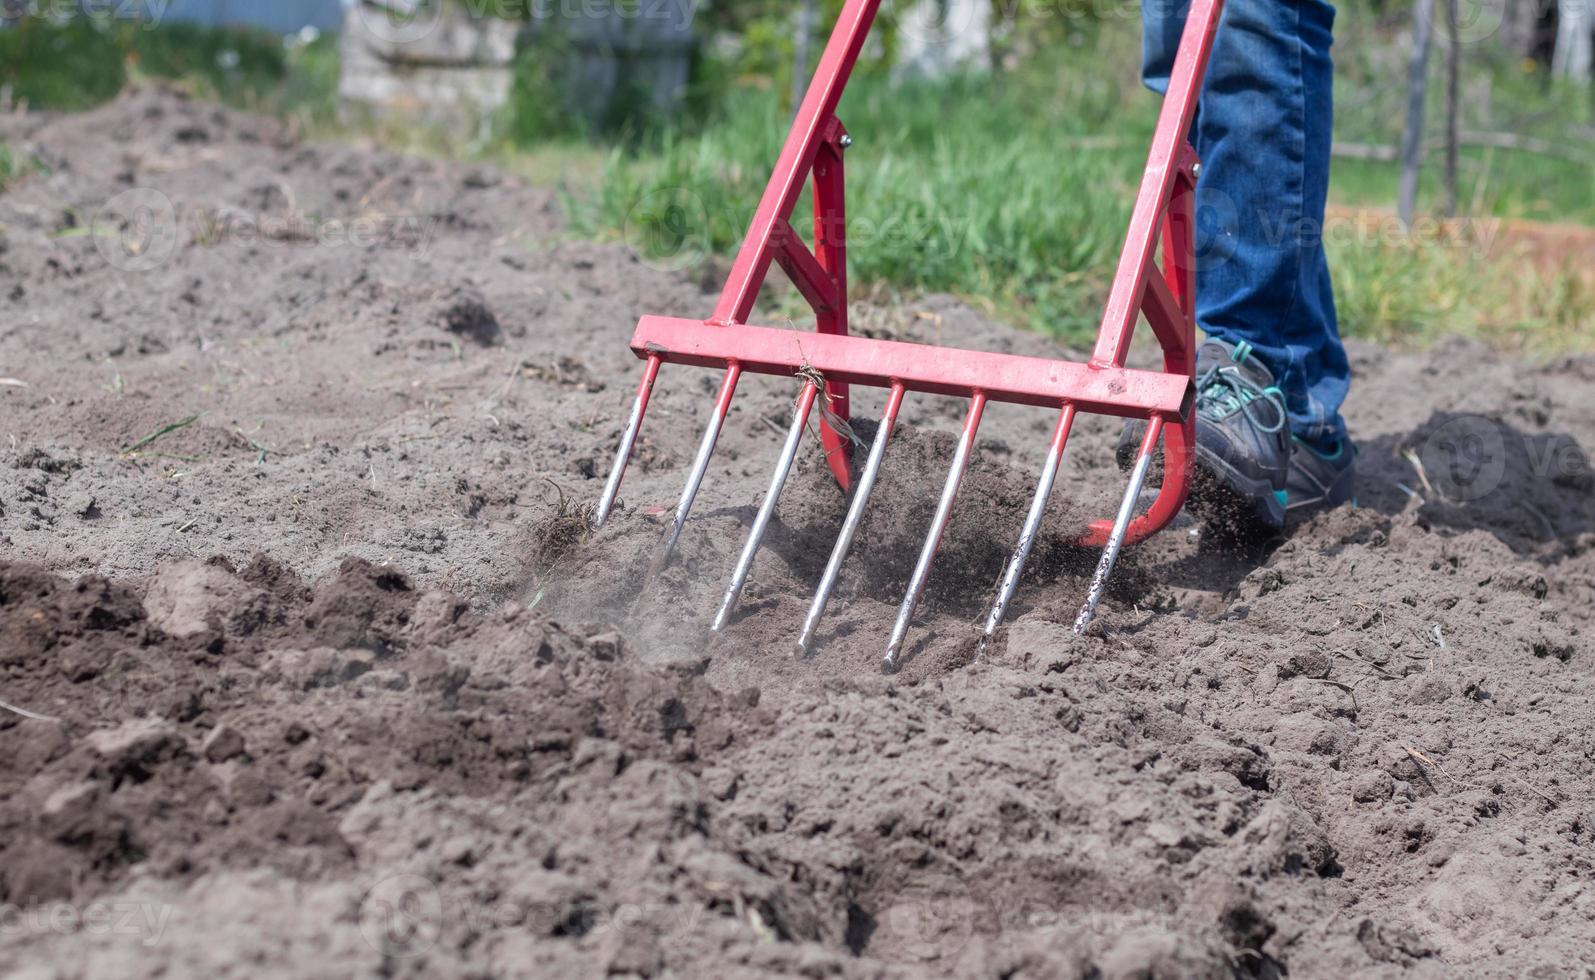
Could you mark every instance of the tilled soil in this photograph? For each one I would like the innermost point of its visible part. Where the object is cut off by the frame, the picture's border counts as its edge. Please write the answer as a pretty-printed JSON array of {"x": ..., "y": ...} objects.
[{"x": 334, "y": 681}]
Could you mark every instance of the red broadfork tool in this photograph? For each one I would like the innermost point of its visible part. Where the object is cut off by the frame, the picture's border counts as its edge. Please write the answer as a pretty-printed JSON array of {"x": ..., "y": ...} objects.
[{"x": 1165, "y": 294}]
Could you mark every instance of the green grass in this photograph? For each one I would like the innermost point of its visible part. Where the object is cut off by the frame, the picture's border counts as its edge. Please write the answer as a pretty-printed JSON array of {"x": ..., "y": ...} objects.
[
  {"x": 1014, "y": 194},
  {"x": 1551, "y": 177},
  {"x": 309, "y": 92},
  {"x": 10, "y": 168},
  {"x": 968, "y": 186},
  {"x": 84, "y": 62},
  {"x": 1408, "y": 295},
  {"x": 1504, "y": 183},
  {"x": 1011, "y": 191},
  {"x": 15, "y": 166},
  {"x": 72, "y": 66}
]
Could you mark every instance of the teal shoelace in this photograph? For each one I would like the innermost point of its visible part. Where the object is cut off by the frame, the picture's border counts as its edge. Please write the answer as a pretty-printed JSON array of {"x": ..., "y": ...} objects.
[{"x": 1223, "y": 390}]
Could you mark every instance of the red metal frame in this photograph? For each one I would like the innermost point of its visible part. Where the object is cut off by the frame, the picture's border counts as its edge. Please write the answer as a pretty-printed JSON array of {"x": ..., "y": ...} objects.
[{"x": 1163, "y": 215}]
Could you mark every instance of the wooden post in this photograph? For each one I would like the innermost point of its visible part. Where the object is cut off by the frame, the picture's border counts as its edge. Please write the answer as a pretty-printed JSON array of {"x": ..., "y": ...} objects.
[
  {"x": 1417, "y": 88},
  {"x": 1575, "y": 20},
  {"x": 1453, "y": 99},
  {"x": 800, "y": 55}
]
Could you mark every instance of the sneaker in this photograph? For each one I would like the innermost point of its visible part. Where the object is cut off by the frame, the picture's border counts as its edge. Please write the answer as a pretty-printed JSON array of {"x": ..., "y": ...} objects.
[
  {"x": 1320, "y": 481},
  {"x": 1243, "y": 445}
]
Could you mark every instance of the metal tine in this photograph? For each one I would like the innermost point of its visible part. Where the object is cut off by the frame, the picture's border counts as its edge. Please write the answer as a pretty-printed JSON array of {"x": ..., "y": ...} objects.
[
  {"x": 627, "y": 441},
  {"x": 1027, "y": 536},
  {"x": 783, "y": 466},
  {"x": 938, "y": 524},
  {"x": 1110, "y": 554},
  {"x": 855, "y": 516},
  {"x": 700, "y": 465}
]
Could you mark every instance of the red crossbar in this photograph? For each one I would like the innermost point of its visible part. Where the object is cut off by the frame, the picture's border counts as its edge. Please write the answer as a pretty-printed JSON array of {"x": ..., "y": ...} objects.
[{"x": 1038, "y": 381}]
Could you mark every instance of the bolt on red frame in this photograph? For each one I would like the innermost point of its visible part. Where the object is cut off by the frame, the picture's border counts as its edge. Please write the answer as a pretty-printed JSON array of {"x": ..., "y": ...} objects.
[{"x": 1164, "y": 211}]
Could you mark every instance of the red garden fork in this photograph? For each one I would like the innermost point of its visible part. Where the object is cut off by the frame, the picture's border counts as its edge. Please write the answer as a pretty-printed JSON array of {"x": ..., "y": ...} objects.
[{"x": 830, "y": 358}]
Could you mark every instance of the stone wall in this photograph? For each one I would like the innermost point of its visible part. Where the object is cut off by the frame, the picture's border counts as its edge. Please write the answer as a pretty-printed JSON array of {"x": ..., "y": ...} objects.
[
  {"x": 645, "y": 55},
  {"x": 434, "y": 60},
  {"x": 940, "y": 37}
]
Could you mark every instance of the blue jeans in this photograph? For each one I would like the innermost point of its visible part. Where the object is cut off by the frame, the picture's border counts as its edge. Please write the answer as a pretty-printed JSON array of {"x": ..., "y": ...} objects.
[{"x": 1262, "y": 130}]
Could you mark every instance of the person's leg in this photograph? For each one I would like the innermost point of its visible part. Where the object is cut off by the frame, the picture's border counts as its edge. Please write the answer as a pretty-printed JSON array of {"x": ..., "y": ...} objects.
[{"x": 1263, "y": 134}]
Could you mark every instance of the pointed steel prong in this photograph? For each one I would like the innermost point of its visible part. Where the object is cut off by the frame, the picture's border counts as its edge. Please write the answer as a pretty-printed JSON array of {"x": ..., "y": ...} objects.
[
  {"x": 627, "y": 441},
  {"x": 783, "y": 466},
  {"x": 855, "y": 516},
  {"x": 1027, "y": 535},
  {"x": 1110, "y": 553},
  {"x": 938, "y": 524},
  {"x": 700, "y": 465}
]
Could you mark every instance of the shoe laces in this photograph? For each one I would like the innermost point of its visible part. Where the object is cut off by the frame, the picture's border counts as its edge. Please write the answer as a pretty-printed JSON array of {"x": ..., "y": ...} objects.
[{"x": 1223, "y": 390}]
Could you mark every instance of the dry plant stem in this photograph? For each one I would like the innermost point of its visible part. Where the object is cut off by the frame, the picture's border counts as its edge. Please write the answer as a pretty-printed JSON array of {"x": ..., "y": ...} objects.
[{"x": 25, "y": 713}]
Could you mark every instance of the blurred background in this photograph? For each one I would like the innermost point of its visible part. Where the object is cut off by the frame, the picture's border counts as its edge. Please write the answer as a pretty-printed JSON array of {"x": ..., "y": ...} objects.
[{"x": 999, "y": 141}]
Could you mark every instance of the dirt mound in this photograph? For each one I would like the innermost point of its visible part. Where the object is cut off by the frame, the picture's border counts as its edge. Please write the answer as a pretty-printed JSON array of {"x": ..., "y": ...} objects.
[
  {"x": 317, "y": 652},
  {"x": 230, "y": 720}
]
